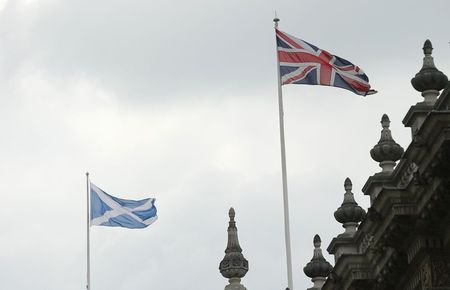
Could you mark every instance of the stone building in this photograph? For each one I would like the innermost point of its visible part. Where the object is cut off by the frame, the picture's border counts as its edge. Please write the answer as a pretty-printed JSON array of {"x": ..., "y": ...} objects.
[{"x": 403, "y": 241}]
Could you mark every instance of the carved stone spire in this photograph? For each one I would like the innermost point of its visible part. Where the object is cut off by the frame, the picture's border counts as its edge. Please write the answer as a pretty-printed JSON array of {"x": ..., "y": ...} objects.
[
  {"x": 318, "y": 268},
  {"x": 387, "y": 151},
  {"x": 429, "y": 80},
  {"x": 233, "y": 266},
  {"x": 349, "y": 213}
]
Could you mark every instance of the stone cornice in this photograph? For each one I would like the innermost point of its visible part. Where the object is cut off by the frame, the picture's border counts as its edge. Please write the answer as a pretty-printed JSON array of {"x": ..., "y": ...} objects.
[
  {"x": 433, "y": 132},
  {"x": 420, "y": 109},
  {"x": 342, "y": 242},
  {"x": 349, "y": 269}
]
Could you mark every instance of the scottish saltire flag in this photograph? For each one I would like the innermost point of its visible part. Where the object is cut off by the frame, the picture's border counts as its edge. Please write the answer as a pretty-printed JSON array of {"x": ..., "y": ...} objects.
[
  {"x": 107, "y": 210},
  {"x": 304, "y": 63}
]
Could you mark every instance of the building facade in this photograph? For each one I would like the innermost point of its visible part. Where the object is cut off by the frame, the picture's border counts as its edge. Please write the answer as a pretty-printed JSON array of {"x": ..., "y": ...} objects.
[{"x": 402, "y": 242}]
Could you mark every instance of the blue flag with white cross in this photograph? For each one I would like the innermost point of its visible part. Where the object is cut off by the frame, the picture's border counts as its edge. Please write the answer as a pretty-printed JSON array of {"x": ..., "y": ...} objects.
[{"x": 110, "y": 211}]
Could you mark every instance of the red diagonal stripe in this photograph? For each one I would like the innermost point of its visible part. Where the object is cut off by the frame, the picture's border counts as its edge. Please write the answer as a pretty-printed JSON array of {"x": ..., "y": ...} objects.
[
  {"x": 345, "y": 68},
  {"x": 300, "y": 75},
  {"x": 287, "y": 39},
  {"x": 359, "y": 86},
  {"x": 325, "y": 74},
  {"x": 325, "y": 56},
  {"x": 298, "y": 57}
]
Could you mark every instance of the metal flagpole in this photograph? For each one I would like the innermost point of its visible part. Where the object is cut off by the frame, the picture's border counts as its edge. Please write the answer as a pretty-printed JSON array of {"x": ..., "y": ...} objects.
[
  {"x": 88, "y": 258},
  {"x": 284, "y": 174}
]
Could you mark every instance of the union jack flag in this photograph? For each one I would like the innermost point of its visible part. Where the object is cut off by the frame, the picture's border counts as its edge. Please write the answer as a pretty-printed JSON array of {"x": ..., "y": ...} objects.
[{"x": 303, "y": 63}]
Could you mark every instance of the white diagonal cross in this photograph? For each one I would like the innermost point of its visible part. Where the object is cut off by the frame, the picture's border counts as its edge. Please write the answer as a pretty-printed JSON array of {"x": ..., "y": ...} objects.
[{"x": 118, "y": 209}]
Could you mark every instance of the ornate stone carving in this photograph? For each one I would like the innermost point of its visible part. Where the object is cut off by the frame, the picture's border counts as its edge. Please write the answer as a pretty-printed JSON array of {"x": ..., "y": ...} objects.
[
  {"x": 366, "y": 243},
  {"x": 318, "y": 268},
  {"x": 403, "y": 242},
  {"x": 349, "y": 213},
  {"x": 233, "y": 266},
  {"x": 435, "y": 271},
  {"x": 408, "y": 175},
  {"x": 429, "y": 78},
  {"x": 386, "y": 151}
]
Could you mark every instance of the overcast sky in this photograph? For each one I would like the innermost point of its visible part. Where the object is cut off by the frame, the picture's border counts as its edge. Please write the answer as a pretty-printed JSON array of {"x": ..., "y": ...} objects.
[{"x": 178, "y": 100}]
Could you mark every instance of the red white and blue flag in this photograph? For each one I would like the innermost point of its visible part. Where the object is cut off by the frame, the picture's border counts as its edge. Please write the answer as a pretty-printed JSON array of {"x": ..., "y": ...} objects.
[{"x": 303, "y": 63}]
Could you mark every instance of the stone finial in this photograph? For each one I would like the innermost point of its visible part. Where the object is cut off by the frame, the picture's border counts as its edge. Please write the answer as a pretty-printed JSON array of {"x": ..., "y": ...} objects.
[
  {"x": 387, "y": 151},
  {"x": 349, "y": 213},
  {"x": 233, "y": 266},
  {"x": 318, "y": 268},
  {"x": 429, "y": 80},
  {"x": 427, "y": 47}
]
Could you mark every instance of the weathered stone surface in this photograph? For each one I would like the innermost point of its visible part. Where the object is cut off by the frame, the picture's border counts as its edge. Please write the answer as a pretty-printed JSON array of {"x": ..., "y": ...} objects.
[
  {"x": 403, "y": 242},
  {"x": 386, "y": 151},
  {"x": 318, "y": 266},
  {"x": 349, "y": 213},
  {"x": 429, "y": 77},
  {"x": 233, "y": 266}
]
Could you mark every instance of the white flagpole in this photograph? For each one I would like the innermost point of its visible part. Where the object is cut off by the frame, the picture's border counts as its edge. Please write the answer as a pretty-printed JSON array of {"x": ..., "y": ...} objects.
[
  {"x": 287, "y": 235},
  {"x": 88, "y": 258}
]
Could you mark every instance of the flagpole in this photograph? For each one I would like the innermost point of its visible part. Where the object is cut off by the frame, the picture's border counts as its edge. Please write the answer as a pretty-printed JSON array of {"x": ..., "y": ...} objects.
[
  {"x": 287, "y": 234},
  {"x": 88, "y": 257}
]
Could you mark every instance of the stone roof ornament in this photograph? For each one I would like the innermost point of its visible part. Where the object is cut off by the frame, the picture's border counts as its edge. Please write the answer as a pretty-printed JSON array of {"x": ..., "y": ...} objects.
[
  {"x": 318, "y": 268},
  {"x": 386, "y": 151},
  {"x": 429, "y": 80},
  {"x": 233, "y": 266},
  {"x": 350, "y": 214}
]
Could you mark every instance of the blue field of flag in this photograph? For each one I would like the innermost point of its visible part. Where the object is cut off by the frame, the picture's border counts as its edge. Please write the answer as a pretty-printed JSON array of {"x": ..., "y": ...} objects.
[{"x": 107, "y": 210}]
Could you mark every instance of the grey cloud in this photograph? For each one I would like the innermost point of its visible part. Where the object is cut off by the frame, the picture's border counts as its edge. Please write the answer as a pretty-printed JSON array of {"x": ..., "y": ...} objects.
[{"x": 178, "y": 99}]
